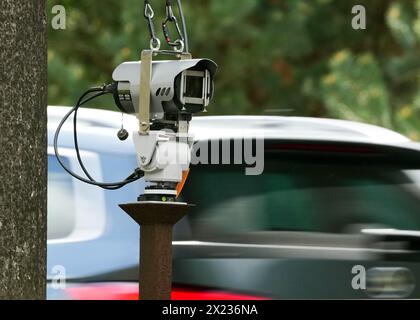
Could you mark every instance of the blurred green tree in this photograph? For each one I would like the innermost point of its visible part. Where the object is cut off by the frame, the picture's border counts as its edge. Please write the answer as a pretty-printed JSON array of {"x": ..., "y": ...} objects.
[{"x": 284, "y": 57}]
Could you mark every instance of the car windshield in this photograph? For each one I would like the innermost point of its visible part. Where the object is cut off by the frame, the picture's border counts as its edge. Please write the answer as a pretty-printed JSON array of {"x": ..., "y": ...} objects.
[{"x": 304, "y": 196}]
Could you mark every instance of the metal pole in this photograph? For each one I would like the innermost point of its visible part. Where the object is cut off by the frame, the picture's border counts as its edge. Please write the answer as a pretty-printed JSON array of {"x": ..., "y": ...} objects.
[{"x": 156, "y": 220}]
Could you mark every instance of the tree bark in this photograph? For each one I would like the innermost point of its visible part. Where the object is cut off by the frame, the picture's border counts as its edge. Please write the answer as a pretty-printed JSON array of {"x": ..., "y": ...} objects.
[{"x": 23, "y": 154}]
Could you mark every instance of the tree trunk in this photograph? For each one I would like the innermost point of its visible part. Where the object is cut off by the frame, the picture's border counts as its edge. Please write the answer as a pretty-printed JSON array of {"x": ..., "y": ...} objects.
[{"x": 23, "y": 154}]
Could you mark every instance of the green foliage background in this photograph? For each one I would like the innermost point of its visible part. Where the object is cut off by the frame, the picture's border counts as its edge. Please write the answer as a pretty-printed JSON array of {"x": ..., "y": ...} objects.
[{"x": 282, "y": 57}]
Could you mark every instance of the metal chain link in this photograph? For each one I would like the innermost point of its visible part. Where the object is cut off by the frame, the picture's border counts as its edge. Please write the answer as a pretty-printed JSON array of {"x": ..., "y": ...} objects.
[
  {"x": 178, "y": 44},
  {"x": 149, "y": 15}
]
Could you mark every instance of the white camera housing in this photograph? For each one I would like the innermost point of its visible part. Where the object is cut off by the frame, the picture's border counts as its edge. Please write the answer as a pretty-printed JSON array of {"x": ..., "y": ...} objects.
[{"x": 176, "y": 86}]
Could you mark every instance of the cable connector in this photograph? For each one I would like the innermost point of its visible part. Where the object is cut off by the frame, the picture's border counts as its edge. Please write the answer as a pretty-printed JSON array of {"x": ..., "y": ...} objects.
[
  {"x": 110, "y": 88},
  {"x": 138, "y": 173}
]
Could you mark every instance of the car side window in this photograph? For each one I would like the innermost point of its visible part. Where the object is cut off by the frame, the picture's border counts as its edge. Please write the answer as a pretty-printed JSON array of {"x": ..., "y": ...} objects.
[
  {"x": 302, "y": 196},
  {"x": 386, "y": 198},
  {"x": 231, "y": 203},
  {"x": 61, "y": 199}
]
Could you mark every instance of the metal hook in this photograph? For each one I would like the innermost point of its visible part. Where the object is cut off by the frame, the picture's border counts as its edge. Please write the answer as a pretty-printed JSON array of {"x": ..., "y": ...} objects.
[
  {"x": 179, "y": 45},
  {"x": 154, "y": 44},
  {"x": 148, "y": 11}
]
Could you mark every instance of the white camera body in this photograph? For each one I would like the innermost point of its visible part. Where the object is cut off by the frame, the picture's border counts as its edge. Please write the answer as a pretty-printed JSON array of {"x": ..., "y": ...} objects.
[{"x": 176, "y": 86}]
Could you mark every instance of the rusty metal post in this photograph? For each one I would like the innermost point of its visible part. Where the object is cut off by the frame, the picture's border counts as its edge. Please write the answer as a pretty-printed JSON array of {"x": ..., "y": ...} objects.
[{"x": 156, "y": 220}]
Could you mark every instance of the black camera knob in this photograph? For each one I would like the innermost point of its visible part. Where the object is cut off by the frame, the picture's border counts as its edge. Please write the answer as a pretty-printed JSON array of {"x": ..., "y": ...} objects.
[{"x": 123, "y": 135}]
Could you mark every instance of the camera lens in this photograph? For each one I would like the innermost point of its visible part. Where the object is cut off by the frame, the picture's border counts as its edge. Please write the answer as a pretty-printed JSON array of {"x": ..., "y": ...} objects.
[{"x": 194, "y": 87}]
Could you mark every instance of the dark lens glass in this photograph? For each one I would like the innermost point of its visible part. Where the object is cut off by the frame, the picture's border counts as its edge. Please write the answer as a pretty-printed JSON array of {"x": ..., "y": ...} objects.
[{"x": 194, "y": 87}]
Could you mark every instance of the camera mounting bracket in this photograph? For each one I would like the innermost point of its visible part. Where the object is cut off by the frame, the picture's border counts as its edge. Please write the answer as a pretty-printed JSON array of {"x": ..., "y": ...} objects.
[
  {"x": 144, "y": 98},
  {"x": 145, "y": 85}
]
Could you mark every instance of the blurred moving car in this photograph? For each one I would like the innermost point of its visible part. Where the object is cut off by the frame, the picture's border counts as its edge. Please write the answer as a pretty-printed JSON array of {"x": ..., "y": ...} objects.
[{"x": 335, "y": 213}]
